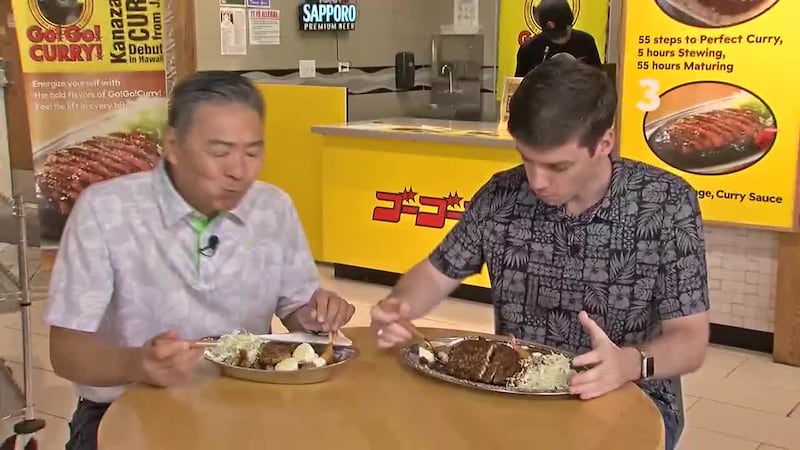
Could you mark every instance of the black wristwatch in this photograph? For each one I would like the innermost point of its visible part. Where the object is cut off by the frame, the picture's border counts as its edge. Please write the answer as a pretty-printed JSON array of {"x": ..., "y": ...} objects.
[{"x": 648, "y": 365}]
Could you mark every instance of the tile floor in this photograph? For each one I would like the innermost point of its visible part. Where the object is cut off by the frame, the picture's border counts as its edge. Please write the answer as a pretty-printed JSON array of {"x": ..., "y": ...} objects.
[{"x": 739, "y": 400}]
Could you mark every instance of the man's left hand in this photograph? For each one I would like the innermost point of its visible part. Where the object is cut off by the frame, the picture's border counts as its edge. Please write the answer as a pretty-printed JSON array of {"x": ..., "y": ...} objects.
[
  {"x": 325, "y": 312},
  {"x": 612, "y": 366}
]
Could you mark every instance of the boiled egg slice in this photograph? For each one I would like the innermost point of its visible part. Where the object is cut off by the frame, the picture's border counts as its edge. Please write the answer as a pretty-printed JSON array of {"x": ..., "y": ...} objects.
[
  {"x": 304, "y": 353},
  {"x": 287, "y": 365}
]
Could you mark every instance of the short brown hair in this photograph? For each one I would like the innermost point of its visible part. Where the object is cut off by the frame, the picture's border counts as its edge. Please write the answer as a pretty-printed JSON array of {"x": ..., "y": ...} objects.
[{"x": 560, "y": 100}]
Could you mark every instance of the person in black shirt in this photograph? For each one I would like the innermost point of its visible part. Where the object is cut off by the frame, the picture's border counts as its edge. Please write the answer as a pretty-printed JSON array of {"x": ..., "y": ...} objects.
[{"x": 557, "y": 36}]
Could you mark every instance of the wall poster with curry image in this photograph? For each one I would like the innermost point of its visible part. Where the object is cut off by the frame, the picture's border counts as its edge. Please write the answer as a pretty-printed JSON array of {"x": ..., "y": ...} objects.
[
  {"x": 697, "y": 101},
  {"x": 95, "y": 88}
]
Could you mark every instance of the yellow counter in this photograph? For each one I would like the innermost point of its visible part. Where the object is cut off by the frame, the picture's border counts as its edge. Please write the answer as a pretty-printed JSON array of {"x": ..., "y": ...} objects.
[
  {"x": 392, "y": 189},
  {"x": 292, "y": 153}
]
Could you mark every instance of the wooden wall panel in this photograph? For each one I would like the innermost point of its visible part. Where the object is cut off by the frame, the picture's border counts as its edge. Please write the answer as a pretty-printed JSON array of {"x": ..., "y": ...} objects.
[
  {"x": 787, "y": 301},
  {"x": 180, "y": 47}
]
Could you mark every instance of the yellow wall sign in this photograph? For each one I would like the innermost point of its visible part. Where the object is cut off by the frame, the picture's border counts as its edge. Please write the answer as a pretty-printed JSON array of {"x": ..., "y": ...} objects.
[
  {"x": 712, "y": 97},
  {"x": 517, "y": 24},
  {"x": 402, "y": 200}
]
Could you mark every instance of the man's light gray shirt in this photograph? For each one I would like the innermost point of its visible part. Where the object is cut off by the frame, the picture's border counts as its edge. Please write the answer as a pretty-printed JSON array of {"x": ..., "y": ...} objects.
[{"x": 128, "y": 266}]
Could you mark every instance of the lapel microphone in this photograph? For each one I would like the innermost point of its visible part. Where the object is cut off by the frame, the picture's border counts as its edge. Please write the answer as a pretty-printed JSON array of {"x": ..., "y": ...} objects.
[{"x": 211, "y": 247}]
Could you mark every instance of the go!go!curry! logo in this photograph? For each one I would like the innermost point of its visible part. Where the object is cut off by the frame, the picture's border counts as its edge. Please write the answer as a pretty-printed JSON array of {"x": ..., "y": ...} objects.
[
  {"x": 533, "y": 25},
  {"x": 60, "y": 32},
  {"x": 442, "y": 208}
]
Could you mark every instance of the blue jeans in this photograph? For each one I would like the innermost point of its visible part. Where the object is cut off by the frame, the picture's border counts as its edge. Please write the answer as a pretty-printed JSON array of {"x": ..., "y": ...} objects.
[
  {"x": 672, "y": 428},
  {"x": 84, "y": 424}
]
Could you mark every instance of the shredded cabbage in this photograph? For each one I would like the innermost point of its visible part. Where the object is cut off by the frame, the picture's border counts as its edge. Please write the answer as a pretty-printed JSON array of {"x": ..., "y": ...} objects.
[
  {"x": 544, "y": 373},
  {"x": 227, "y": 350}
]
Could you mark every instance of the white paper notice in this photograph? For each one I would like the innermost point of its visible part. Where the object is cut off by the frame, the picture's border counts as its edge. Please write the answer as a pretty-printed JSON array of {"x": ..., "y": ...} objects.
[
  {"x": 308, "y": 68},
  {"x": 465, "y": 15},
  {"x": 265, "y": 26},
  {"x": 233, "y": 31}
]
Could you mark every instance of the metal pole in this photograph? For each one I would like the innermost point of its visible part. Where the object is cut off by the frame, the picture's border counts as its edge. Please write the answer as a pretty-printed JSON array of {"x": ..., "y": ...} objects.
[{"x": 25, "y": 304}]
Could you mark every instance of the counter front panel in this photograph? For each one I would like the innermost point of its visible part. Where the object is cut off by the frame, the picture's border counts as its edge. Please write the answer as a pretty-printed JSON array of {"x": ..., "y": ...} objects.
[{"x": 388, "y": 202}]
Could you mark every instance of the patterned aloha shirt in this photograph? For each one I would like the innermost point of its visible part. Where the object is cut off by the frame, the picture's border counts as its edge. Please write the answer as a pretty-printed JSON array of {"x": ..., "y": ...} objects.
[{"x": 633, "y": 260}]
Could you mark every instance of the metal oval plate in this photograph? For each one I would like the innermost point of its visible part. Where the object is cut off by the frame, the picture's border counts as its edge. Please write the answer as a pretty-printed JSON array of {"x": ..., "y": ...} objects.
[
  {"x": 410, "y": 357},
  {"x": 343, "y": 356}
]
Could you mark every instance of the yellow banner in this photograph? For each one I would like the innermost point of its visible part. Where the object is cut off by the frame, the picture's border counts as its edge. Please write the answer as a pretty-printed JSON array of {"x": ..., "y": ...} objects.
[
  {"x": 90, "y": 35},
  {"x": 95, "y": 88},
  {"x": 517, "y": 25},
  {"x": 692, "y": 106}
]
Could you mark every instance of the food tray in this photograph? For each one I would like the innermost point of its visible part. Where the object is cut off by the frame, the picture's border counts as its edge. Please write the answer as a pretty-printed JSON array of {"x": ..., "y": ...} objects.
[
  {"x": 708, "y": 18},
  {"x": 343, "y": 356},
  {"x": 698, "y": 109},
  {"x": 410, "y": 357}
]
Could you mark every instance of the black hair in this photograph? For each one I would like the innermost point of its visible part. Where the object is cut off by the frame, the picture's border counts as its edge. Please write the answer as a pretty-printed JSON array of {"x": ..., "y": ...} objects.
[
  {"x": 560, "y": 100},
  {"x": 216, "y": 87}
]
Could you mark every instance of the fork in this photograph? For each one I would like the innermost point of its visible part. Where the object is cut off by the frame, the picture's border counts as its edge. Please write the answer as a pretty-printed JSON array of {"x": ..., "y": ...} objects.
[
  {"x": 440, "y": 355},
  {"x": 328, "y": 353}
]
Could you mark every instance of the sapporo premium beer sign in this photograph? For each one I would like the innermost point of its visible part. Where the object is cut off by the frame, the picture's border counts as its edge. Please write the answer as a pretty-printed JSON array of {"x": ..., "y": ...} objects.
[{"x": 328, "y": 15}]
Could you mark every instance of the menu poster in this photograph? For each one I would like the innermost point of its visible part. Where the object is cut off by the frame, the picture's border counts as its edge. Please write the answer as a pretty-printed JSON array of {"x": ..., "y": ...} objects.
[
  {"x": 509, "y": 87},
  {"x": 95, "y": 87},
  {"x": 710, "y": 93}
]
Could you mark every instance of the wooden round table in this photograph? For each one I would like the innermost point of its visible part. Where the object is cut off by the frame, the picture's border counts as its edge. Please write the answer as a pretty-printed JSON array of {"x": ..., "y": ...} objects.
[{"x": 375, "y": 403}]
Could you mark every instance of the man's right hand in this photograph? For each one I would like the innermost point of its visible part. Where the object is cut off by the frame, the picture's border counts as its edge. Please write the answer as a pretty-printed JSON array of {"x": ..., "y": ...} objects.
[
  {"x": 390, "y": 322},
  {"x": 166, "y": 360}
]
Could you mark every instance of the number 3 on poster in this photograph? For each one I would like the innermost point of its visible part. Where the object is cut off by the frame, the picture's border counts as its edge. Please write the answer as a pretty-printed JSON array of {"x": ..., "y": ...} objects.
[{"x": 650, "y": 99}]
